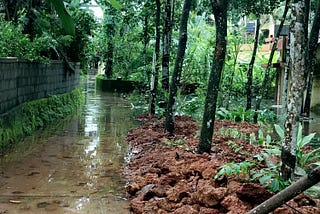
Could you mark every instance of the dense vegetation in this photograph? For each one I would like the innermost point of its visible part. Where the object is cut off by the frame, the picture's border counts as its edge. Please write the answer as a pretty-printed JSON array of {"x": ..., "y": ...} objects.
[{"x": 212, "y": 76}]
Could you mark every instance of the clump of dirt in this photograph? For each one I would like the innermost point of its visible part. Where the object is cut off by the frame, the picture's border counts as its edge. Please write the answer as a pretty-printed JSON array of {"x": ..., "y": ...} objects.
[{"x": 166, "y": 175}]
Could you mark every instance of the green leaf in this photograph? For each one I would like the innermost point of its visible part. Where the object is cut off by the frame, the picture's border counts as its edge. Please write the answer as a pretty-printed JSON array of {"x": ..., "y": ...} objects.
[
  {"x": 275, "y": 185},
  {"x": 228, "y": 170},
  {"x": 307, "y": 139},
  {"x": 257, "y": 175},
  {"x": 314, "y": 154},
  {"x": 115, "y": 4},
  {"x": 279, "y": 131},
  {"x": 220, "y": 173},
  {"x": 265, "y": 179},
  {"x": 268, "y": 139},
  {"x": 317, "y": 163},
  {"x": 299, "y": 136},
  {"x": 65, "y": 18}
]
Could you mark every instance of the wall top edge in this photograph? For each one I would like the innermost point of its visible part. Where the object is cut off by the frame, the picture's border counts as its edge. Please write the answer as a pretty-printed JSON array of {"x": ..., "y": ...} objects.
[{"x": 16, "y": 59}]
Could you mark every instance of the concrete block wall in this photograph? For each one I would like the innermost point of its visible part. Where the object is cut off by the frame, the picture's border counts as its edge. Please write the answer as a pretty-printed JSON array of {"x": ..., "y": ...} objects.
[{"x": 22, "y": 81}]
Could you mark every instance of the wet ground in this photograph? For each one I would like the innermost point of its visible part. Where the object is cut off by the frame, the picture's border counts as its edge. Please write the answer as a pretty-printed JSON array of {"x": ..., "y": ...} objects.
[
  {"x": 167, "y": 175},
  {"x": 73, "y": 166}
]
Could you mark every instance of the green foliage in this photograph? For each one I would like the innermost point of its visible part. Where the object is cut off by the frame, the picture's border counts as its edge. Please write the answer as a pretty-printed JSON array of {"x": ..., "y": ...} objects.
[
  {"x": 234, "y": 169},
  {"x": 115, "y": 4},
  {"x": 176, "y": 143},
  {"x": 65, "y": 18},
  {"x": 233, "y": 75},
  {"x": 247, "y": 7},
  {"x": 139, "y": 102},
  {"x": 36, "y": 114},
  {"x": 269, "y": 176},
  {"x": 14, "y": 43},
  {"x": 314, "y": 191},
  {"x": 305, "y": 157},
  {"x": 239, "y": 114},
  {"x": 79, "y": 49},
  {"x": 191, "y": 105},
  {"x": 198, "y": 56}
]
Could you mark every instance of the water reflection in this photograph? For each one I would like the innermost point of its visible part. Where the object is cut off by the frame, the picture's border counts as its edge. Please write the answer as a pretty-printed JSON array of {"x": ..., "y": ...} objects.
[{"x": 76, "y": 164}]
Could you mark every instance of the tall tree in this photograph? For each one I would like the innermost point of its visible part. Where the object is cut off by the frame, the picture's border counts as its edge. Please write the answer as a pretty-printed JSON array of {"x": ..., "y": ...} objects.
[
  {"x": 253, "y": 58},
  {"x": 145, "y": 44},
  {"x": 312, "y": 47},
  {"x": 155, "y": 76},
  {"x": 167, "y": 32},
  {"x": 176, "y": 75},
  {"x": 263, "y": 90},
  {"x": 219, "y": 9},
  {"x": 297, "y": 66},
  {"x": 110, "y": 31}
]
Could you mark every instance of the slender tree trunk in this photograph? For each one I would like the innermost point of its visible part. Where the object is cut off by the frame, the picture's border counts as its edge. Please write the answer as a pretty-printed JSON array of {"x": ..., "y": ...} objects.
[
  {"x": 285, "y": 84},
  {"x": 306, "y": 71},
  {"x": 145, "y": 43},
  {"x": 230, "y": 83},
  {"x": 219, "y": 9},
  {"x": 173, "y": 3},
  {"x": 176, "y": 75},
  {"x": 312, "y": 47},
  {"x": 110, "y": 50},
  {"x": 166, "y": 47},
  {"x": 154, "y": 89},
  {"x": 251, "y": 64},
  {"x": 297, "y": 66},
  {"x": 263, "y": 91}
]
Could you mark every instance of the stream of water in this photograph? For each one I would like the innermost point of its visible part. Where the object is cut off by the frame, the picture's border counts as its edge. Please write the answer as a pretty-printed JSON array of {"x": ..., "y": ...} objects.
[{"x": 73, "y": 166}]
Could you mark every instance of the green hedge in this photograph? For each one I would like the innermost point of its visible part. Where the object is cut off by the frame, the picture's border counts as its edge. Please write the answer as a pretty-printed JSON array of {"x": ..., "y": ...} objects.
[{"x": 36, "y": 114}]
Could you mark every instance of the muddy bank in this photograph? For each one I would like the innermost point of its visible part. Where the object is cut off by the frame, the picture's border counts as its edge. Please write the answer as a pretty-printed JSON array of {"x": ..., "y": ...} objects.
[{"x": 166, "y": 175}]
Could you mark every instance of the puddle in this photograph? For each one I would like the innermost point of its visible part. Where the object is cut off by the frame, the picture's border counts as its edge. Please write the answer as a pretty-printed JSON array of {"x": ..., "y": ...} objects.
[{"x": 73, "y": 166}]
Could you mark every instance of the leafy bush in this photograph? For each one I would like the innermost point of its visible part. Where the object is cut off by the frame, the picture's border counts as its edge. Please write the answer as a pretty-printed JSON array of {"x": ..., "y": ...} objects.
[
  {"x": 305, "y": 157},
  {"x": 239, "y": 114},
  {"x": 14, "y": 43}
]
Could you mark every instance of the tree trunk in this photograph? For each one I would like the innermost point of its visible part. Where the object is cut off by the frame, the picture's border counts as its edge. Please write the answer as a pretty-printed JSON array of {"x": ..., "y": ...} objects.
[
  {"x": 306, "y": 70},
  {"x": 251, "y": 64},
  {"x": 110, "y": 48},
  {"x": 288, "y": 193},
  {"x": 285, "y": 85},
  {"x": 167, "y": 31},
  {"x": 312, "y": 47},
  {"x": 154, "y": 84},
  {"x": 176, "y": 75},
  {"x": 297, "y": 66},
  {"x": 263, "y": 91},
  {"x": 145, "y": 43},
  {"x": 219, "y": 9}
]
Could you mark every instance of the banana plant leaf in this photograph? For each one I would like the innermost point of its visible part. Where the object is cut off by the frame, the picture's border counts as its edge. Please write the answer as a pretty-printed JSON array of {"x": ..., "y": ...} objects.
[
  {"x": 65, "y": 18},
  {"x": 115, "y": 4}
]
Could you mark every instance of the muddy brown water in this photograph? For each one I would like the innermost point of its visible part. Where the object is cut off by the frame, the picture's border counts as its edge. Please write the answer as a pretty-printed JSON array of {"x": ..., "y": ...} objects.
[{"x": 73, "y": 166}]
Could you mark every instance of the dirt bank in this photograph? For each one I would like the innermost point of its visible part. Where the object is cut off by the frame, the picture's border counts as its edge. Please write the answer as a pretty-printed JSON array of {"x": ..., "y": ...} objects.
[{"x": 166, "y": 175}]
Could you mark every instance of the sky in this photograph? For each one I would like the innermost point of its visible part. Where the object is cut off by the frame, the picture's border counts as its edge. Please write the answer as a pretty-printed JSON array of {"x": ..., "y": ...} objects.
[{"x": 97, "y": 10}]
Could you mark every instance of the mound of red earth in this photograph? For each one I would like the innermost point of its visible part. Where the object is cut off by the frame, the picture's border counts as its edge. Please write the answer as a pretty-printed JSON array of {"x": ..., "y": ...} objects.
[{"x": 166, "y": 175}]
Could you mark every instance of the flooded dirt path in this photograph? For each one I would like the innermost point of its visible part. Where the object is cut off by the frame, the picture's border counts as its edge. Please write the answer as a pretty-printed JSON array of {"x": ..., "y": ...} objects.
[{"x": 73, "y": 166}]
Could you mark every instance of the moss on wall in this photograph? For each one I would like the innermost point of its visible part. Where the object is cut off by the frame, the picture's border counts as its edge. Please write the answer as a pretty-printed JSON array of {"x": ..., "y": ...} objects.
[{"x": 36, "y": 114}]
